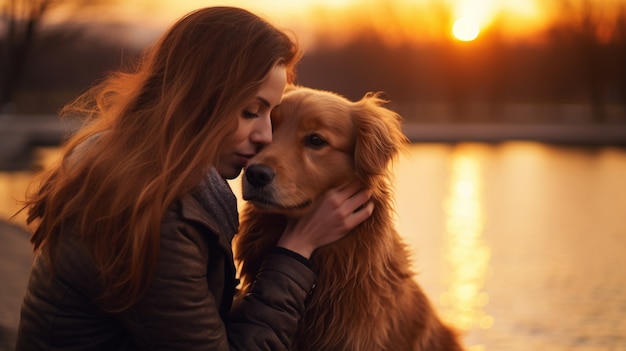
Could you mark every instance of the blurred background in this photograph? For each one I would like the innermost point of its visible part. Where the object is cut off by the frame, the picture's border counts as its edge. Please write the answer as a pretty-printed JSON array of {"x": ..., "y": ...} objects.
[{"x": 511, "y": 196}]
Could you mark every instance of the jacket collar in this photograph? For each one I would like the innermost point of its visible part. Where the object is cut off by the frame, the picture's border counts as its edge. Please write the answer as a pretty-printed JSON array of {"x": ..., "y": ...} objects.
[
  {"x": 217, "y": 198},
  {"x": 192, "y": 210}
]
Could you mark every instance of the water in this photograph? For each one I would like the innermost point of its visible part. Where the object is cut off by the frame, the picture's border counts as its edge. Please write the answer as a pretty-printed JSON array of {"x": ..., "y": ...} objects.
[{"x": 520, "y": 245}]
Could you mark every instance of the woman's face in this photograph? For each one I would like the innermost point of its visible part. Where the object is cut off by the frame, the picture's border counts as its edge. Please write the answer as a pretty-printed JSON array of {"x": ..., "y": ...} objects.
[{"x": 254, "y": 128}]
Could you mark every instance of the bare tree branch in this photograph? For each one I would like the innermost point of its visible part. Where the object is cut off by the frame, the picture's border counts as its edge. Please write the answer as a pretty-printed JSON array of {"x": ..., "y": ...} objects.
[{"x": 23, "y": 21}]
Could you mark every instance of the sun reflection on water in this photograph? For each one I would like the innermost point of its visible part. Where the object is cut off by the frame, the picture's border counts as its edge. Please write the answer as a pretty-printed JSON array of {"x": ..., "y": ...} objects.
[{"x": 466, "y": 254}]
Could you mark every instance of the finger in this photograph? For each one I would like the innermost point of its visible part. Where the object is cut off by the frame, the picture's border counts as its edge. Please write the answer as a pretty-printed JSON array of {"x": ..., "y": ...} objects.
[
  {"x": 358, "y": 200},
  {"x": 359, "y": 216},
  {"x": 348, "y": 189}
]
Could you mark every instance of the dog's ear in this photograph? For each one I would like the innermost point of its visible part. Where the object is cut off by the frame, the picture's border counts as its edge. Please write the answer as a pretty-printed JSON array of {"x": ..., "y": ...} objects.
[{"x": 379, "y": 135}]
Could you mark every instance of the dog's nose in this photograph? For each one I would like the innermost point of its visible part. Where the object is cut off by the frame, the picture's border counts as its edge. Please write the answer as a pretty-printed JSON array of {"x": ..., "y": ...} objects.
[{"x": 259, "y": 175}]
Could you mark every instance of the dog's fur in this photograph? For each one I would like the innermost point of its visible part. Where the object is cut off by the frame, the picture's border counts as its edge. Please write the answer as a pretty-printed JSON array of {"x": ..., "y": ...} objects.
[{"x": 366, "y": 297}]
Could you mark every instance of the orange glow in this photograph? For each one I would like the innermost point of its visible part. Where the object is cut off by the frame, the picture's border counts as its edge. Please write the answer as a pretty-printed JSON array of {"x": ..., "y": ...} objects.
[
  {"x": 465, "y": 29},
  {"x": 14, "y": 186},
  {"x": 335, "y": 22},
  {"x": 398, "y": 21}
]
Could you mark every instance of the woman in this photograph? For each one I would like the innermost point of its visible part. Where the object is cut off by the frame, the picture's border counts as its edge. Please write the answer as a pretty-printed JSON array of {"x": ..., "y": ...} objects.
[{"x": 134, "y": 227}]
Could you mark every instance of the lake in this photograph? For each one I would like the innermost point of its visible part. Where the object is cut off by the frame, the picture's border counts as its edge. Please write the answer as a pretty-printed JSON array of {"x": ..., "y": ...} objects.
[{"x": 520, "y": 245}]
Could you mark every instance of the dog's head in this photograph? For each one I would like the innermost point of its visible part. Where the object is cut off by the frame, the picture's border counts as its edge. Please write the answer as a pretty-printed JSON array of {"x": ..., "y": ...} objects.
[{"x": 320, "y": 140}]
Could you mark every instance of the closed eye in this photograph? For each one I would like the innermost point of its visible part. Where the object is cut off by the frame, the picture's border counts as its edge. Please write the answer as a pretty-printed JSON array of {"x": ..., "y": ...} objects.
[
  {"x": 315, "y": 141},
  {"x": 248, "y": 114}
]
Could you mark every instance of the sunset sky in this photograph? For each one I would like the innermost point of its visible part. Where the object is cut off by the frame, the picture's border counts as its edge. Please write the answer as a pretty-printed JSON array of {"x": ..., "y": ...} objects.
[
  {"x": 399, "y": 21},
  {"x": 415, "y": 19}
]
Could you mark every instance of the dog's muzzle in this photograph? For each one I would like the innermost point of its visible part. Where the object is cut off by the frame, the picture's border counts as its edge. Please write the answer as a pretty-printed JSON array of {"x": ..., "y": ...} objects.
[
  {"x": 258, "y": 188},
  {"x": 259, "y": 175}
]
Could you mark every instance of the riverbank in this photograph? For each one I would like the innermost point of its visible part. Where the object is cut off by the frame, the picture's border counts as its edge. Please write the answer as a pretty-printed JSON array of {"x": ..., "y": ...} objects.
[
  {"x": 15, "y": 261},
  {"x": 21, "y": 135},
  {"x": 577, "y": 134}
]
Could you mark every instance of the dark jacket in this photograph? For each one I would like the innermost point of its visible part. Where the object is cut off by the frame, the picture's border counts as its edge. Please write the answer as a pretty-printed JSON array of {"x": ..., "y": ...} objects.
[{"x": 186, "y": 306}]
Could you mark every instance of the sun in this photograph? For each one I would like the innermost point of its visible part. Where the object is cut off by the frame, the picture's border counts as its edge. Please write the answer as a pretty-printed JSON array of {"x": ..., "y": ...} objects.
[{"x": 465, "y": 29}]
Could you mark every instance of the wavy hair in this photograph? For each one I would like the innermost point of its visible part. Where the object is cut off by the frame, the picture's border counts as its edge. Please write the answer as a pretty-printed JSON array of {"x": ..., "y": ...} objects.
[{"x": 149, "y": 136}]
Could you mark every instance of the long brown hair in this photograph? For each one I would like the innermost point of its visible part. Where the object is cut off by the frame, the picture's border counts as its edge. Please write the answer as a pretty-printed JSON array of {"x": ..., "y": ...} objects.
[{"x": 150, "y": 136}]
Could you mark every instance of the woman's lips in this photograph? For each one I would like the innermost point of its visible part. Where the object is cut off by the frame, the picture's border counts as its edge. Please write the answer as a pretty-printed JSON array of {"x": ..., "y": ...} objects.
[{"x": 243, "y": 159}]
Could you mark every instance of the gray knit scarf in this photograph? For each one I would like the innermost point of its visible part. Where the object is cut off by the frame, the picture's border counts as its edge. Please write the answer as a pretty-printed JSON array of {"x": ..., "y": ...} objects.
[{"x": 218, "y": 199}]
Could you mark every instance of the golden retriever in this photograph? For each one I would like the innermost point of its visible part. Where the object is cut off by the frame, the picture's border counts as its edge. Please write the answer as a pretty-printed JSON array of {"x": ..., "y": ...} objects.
[{"x": 366, "y": 297}]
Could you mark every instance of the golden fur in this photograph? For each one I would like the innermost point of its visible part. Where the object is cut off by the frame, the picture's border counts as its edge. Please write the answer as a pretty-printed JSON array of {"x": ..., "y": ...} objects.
[{"x": 366, "y": 297}]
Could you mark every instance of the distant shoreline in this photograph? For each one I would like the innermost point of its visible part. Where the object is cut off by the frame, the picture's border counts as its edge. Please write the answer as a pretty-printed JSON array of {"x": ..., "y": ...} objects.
[
  {"x": 579, "y": 134},
  {"x": 20, "y": 135}
]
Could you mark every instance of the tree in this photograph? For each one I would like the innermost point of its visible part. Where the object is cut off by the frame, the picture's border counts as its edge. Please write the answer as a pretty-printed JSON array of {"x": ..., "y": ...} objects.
[
  {"x": 586, "y": 25},
  {"x": 23, "y": 23}
]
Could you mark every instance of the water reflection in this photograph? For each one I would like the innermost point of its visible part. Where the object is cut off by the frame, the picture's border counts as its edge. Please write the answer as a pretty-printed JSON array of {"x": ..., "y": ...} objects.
[
  {"x": 14, "y": 186},
  {"x": 465, "y": 251}
]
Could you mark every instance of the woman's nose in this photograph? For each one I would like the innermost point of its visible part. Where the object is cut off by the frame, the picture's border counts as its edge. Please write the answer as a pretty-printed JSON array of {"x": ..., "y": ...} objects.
[{"x": 262, "y": 132}]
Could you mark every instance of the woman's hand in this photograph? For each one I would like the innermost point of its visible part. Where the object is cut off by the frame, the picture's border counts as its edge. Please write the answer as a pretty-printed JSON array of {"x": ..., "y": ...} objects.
[{"x": 333, "y": 216}]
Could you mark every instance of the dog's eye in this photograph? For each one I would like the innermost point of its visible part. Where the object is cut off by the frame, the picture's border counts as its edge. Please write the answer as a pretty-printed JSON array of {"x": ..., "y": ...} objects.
[{"x": 315, "y": 141}]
